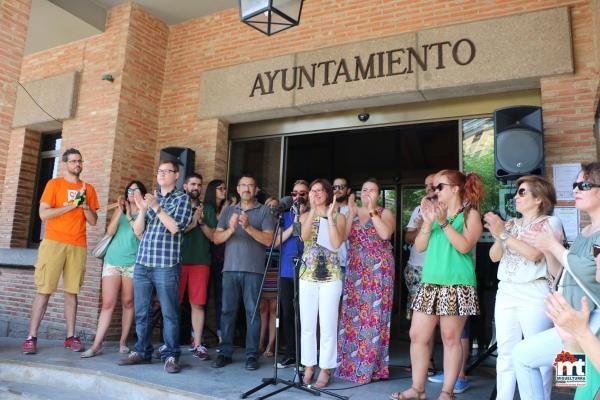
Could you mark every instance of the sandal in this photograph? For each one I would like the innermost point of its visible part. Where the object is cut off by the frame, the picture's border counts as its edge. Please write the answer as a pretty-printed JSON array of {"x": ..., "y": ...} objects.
[
  {"x": 308, "y": 375},
  {"x": 89, "y": 353},
  {"x": 268, "y": 353},
  {"x": 419, "y": 395},
  {"x": 323, "y": 379},
  {"x": 124, "y": 350},
  {"x": 445, "y": 395}
]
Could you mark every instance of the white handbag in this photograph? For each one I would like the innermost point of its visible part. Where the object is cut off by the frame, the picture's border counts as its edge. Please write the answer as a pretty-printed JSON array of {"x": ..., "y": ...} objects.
[{"x": 99, "y": 251}]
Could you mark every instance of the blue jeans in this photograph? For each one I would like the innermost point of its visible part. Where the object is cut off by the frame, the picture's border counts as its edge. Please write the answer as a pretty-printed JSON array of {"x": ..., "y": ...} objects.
[
  {"x": 539, "y": 351},
  {"x": 236, "y": 285},
  {"x": 166, "y": 282}
]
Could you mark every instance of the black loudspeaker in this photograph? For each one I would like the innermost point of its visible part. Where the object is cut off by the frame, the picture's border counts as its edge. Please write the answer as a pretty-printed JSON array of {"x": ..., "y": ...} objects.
[
  {"x": 186, "y": 158},
  {"x": 518, "y": 142}
]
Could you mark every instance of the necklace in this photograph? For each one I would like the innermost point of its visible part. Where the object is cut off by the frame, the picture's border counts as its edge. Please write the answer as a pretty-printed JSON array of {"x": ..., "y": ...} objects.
[
  {"x": 451, "y": 220},
  {"x": 528, "y": 224}
]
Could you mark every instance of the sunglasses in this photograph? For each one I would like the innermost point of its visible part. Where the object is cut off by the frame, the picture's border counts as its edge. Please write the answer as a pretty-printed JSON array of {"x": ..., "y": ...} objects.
[
  {"x": 585, "y": 185},
  {"x": 221, "y": 188},
  {"x": 522, "y": 192},
  {"x": 132, "y": 190},
  {"x": 339, "y": 187},
  {"x": 294, "y": 194},
  {"x": 440, "y": 186}
]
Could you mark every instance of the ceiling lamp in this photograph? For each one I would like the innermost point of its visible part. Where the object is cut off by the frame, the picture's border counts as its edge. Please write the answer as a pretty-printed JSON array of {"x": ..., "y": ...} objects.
[{"x": 270, "y": 16}]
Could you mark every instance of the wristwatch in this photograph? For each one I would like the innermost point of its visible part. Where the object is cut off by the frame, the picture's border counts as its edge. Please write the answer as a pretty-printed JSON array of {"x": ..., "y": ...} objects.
[
  {"x": 158, "y": 210},
  {"x": 504, "y": 237}
]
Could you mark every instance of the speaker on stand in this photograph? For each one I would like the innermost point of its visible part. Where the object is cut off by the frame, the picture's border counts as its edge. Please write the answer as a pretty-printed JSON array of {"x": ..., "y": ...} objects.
[
  {"x": 518, "y": 142},
  {"x": 184, "y": 156}
]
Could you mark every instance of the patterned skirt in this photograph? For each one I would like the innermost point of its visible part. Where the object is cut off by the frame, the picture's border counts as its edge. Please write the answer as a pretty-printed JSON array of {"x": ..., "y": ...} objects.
[{"x": 458, "y": 300}]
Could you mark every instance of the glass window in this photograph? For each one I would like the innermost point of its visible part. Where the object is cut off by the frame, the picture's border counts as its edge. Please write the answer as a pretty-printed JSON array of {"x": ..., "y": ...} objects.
[
  {"x": 478, "y": 156},
  {"x": 48, "y": 169},
  {"x": 261, "y": 158}
]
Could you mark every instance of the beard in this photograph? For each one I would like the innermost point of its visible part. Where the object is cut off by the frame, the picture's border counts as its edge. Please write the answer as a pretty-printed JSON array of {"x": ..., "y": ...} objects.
[
  {"x": 342, "y": 198},
  {"x": 194, "y": 194}
]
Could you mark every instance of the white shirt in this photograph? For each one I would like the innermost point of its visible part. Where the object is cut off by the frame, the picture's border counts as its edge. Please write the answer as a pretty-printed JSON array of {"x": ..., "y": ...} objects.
[{"x": 416, "y": 257}]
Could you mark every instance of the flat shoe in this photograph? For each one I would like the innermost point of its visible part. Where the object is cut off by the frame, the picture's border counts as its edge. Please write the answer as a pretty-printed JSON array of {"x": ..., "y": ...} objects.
[
  {"x": 89, "y": 353},
  {"x": 124, "y": 350}
]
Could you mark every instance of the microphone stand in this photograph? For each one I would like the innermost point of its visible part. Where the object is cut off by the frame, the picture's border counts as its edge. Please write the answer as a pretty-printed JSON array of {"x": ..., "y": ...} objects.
[
  {"x": 274, "y": 380},
  {"x": 297, "y": 376}
]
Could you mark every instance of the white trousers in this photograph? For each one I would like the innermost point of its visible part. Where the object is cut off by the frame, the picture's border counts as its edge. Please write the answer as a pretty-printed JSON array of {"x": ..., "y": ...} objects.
[
  {"x": 519, "y": 313},
  {"x": 319, "y": 299}
]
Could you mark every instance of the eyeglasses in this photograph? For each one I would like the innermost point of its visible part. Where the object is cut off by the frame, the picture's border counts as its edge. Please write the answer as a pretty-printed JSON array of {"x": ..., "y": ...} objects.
[
  {"x": 303, "y": 194},
  {"x": 75, "y": 161},
  {"x": 440, "y": 186},
  {"x": 164, "y": 171},
  {"x": 132, "y": 190},
  {"x": 317, "y": 190},
  {"x": 221, "y": 188},
  {"x": 247, "y": 185},
  {"x": 339, "y": 187},
  {"x": 585, "y": 185},
  {"x": 522, "y": 192}
]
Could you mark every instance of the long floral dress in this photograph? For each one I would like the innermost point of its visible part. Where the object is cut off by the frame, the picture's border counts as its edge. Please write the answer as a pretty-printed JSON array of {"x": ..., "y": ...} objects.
[{"x": 364, "y": 330}]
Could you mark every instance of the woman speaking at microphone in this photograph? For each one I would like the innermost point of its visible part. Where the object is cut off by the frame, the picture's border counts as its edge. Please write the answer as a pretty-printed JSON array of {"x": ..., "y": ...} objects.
[{"x": 320, "y": 281}]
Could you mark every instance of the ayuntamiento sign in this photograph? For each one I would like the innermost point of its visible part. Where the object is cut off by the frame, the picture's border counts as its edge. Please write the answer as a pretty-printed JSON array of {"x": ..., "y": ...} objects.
[{"x": 495, "y": 55}]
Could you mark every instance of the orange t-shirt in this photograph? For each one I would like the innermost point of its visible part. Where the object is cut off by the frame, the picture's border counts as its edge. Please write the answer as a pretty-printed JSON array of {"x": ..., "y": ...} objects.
[{"x": 71, "y": 226}]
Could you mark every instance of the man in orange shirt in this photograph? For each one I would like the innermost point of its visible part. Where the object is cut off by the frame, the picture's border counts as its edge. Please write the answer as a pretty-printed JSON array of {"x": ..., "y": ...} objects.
[{"x": 67, "y": 204}]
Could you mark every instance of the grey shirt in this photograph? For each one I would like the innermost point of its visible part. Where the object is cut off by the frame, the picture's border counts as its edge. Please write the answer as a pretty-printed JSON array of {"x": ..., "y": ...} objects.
[
  {"x": 242, "y": 252},
  {"x": 583, "y": 266}
]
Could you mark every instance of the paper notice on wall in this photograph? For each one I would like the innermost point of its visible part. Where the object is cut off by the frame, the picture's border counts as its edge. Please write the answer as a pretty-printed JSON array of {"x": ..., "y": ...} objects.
[
  {"x": 569, "y": 216},
  {"x": 564, "y": 176}
]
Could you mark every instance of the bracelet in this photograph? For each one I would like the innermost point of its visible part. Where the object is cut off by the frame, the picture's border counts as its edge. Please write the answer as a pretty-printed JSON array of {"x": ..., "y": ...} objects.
[
  {"x": 373, "y": 213},
  {"x": 444, "y": 225},
  {"x": 424, "y": 232},
  {"x": 131, "y": 220},
  {"x": 331, "y": 224},
  {"x": 158, "y": 210}
]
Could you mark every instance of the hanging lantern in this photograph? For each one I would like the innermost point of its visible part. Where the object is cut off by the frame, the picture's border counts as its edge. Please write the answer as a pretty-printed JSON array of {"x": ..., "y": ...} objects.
[{"x": 270, "y": 16}]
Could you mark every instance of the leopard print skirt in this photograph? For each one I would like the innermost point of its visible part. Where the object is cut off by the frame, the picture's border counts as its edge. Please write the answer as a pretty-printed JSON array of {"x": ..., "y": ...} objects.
[{"x": 459, "y": 300}]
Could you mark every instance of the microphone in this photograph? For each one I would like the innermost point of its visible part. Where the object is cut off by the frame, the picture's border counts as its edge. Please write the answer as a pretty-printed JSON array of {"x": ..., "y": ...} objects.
[{"x": 284, "y": 204}]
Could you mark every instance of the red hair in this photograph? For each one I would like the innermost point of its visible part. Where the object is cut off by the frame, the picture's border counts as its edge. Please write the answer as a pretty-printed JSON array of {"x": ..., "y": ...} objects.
[{"x": 471, "y": 190}]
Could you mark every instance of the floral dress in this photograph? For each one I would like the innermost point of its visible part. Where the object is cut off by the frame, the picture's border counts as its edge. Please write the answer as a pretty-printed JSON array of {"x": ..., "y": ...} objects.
[{"x": 364, "y": 330}]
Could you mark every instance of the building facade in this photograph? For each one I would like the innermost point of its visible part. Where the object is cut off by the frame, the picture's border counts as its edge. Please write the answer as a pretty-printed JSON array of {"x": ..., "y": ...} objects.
[{"x": 218, "y": 87}]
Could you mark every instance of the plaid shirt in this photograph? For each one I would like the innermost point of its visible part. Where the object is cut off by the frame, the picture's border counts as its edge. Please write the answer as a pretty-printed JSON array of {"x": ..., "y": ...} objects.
[{"x": 159, "y": 247}]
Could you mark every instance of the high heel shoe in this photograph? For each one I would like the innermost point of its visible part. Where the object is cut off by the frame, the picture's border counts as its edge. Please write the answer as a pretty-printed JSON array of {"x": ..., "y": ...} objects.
[
  {"x": 323, "y": 379},
  {"x": 308, "y": 375}
]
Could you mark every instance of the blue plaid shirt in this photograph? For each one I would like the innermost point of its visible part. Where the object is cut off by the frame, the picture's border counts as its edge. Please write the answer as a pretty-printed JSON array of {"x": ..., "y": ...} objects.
[{"x": 159, "y": 247}]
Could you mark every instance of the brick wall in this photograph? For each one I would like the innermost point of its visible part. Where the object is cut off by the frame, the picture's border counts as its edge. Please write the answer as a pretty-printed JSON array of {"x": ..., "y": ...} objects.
[
  {"x": 14, "y": 15},
  {"x": 153, "y": 101}
]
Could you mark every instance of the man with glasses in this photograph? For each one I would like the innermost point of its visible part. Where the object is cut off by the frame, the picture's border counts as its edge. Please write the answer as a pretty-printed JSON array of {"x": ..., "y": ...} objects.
[
  {"x": 247, "y": 228},
  {"x": 195, "y": 251},
  {"x": 66, "y": 206},
  {"x": 161, "y": 222},
  {"x": 292, "y": 246},
  {"x": 341, "y": 193}
]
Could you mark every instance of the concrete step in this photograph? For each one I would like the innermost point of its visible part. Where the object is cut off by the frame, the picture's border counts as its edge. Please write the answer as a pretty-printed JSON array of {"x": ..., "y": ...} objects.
[
  {"x": 20, "y": 380},
  {"x": 30, "y": 391}
]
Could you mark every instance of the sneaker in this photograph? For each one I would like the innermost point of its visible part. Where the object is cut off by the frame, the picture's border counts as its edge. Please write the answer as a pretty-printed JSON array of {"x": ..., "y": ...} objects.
[
  {"x": 438, "y": 378},
  {"x": 201, "y": 353},
  {"x": 251, "y": 363},
  {"x": 221, "y": 361},
  {"x": 158, "y": 353},
  {"x": 172, "y": 366},
  {"x": 73, "y": 343},
  {"x": 461, "y": 385},
  {"x": 29, "y": 346},
  {"x": 286, "y": 362},
  {"x": 134, "y": 359}
]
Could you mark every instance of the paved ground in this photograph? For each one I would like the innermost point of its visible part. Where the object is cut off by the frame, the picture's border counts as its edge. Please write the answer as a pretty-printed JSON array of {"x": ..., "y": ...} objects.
[{"x": 225, "y": 383}]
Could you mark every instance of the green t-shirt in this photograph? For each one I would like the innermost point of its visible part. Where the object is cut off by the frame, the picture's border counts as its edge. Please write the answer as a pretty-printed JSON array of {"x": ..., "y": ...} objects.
[
  {"x": 123, "y": 247},
  {"x": 591, "y": 390},
  {"x": 195, "y": 248},
  {"x": 444, "y": 265}
]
